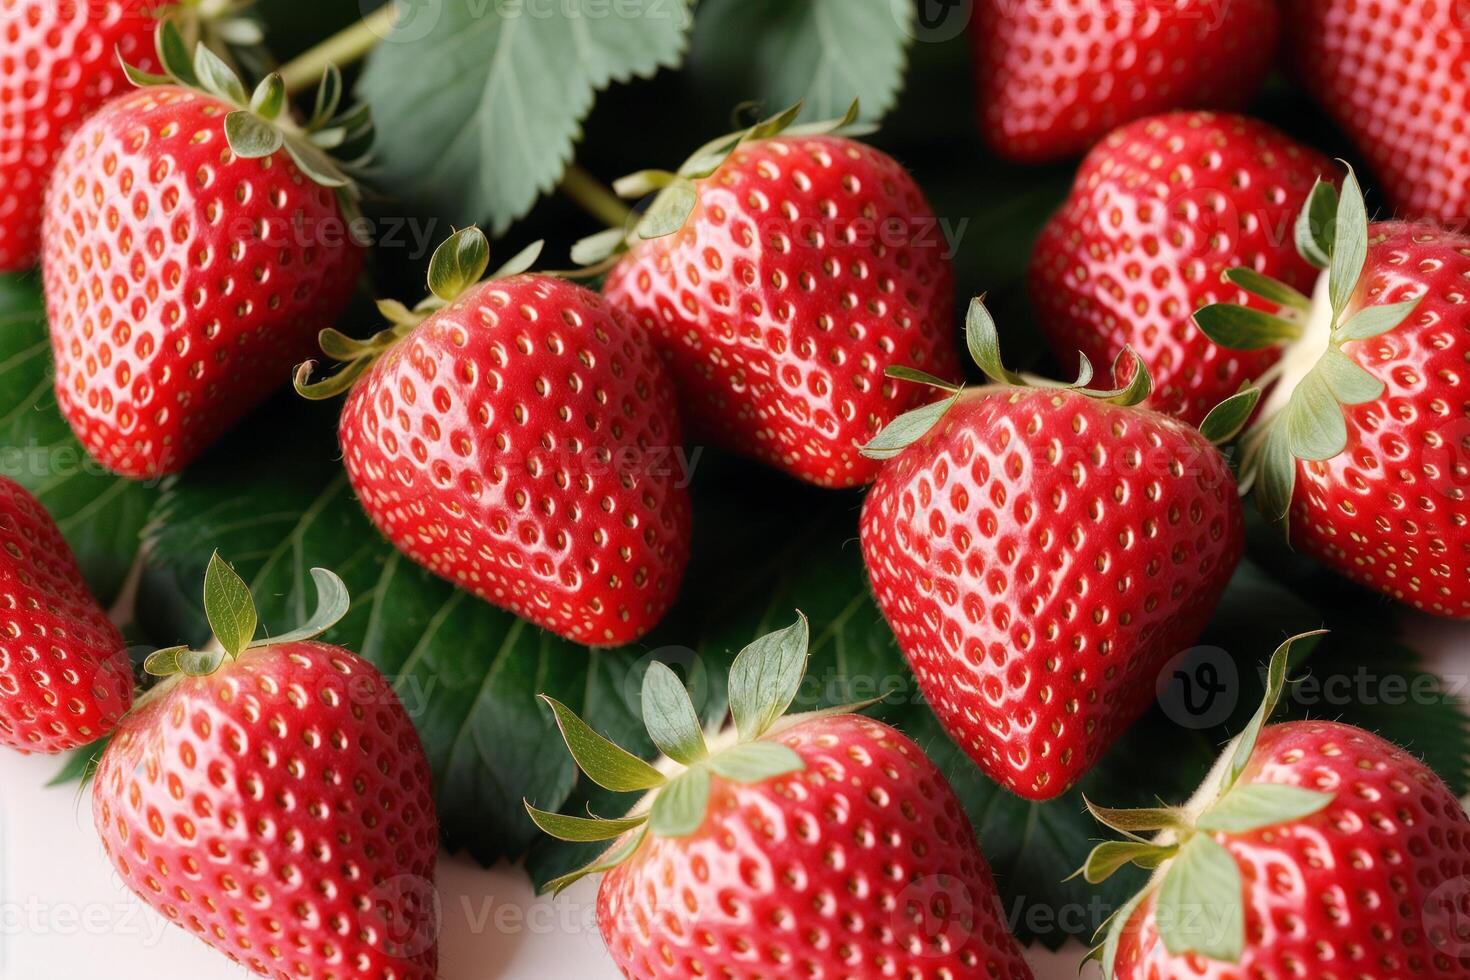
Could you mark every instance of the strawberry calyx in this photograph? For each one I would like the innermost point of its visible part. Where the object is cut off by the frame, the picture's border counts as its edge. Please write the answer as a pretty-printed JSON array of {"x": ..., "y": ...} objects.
[
  {"x": 675, "y": 192},
  {"x": 1196, "y": 882},
  {"x": 230, "y": 610},
  {"x": 1316, "y": 381},
  {"x": 982, "y": 339},
  {"x": 764, "y": 681},
  {"x": 221, "y": 24},
  {"x": 457, "y": 265},
  {"x": 332, "y": 146}
]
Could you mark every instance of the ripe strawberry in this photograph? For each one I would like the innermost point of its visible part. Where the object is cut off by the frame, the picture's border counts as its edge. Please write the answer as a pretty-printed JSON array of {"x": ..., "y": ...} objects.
[
  {"x": 816, "y": 845},
  {"x": 192, "y": 249},
  {"x": 275, "y": 801},
  {"x": 1361, "y": 449},
  {"x": 1160, "y": 210},
  {"x": 1055, "y": 75},
  {"x": 1392, "y": 78},
  {"x": 1040, "y": 553},
  {"x": 1317, "y": 849},
  {"x": 781, "y": 274},
  {"x": 65, "y": 677},
  {"x": 520, "y": 438}
]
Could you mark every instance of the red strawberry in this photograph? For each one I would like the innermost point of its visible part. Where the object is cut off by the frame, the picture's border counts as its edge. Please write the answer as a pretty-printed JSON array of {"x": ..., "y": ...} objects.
[
  {"x": 1362, "y": 451},
  {"x": 1160, "y": 210},
  {"x": 520, "y": 438},
  {"x": 65, "y": 677},
  {"x": 1055, "y": 75},
  {"x": 1321, "y": 850},
  {"x": 823, "y": 845},
  {"x": 1040, "y": 553},
  {"x": 1392, "y": 77},
  {"x": 186, "y": 269},
  {"x": 275, "y": 801},
  {"x": 793, "y": 271}
]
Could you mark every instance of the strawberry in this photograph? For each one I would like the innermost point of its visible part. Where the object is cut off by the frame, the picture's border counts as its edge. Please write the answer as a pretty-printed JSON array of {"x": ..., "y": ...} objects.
[
  {"x": 819, "y": 845},
  {"x": 1159, "y": 211},
  {"x": 1041, "y": 553},
  {"x": 519, "y": 437},
  {"x": 274, "y": 800},
  {"x": 65, "y": 677},
  {"x": 1360, "y": 452},
  {"x": 192, "y": 249},
  {"x": 781, "y": 274},
  {"x": 1393, "y": 81},
  {"x": 1315, "y": 849},
  {"x": 1055, "y": 75}
]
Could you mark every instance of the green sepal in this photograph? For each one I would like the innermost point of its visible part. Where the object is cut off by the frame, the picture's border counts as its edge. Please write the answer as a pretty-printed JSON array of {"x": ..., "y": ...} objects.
[
  {"x": 314, "y": 163},
  {"x": 173, "y": 54},
  {"x": 1138, "y": 388},
  {"x": 1372, "y": 321},
  {"x": 669, "y": 211},
  {"x": 1349, "y": 246},
  {"x": 181, "y": 660},
  {"x": 582, "y": 830},
  {"x": 1230, "y": 416},
  {"x": 330, "y": 386},
  {"x": 765, "y": 678},
  {"x": 1244, "y": 327},
  {"x": 1273, "y": 471},
  {"x": 217, "y": 78},
  {"x": 1266, "y": 288},
  {"x": 1085, "y": 372},
  {"x": 521, "y": 262},
  {"x": 670, "y": 718},
  {"x": 228, "y": 606},
  {"x": 1109, "y": 857},
  {"x": 755, "y": 762},
  {"x": 680, "y": 807},
  {"x": 332, "y": 603},
  {"x": 1108, "y": 951},
  {"x": 908, "y": 429},
  {"x": 1312, "y": 423},
  {"x": 269, "y": 98},
  {"x": 1245, "y": 745},
  {"x": 1259, "y": 805},
  {"x": 598, "y": 248},
  {"x": 644, "y": 182},
  {"x": 609, "y": 859},
  {"x": 1136, "y": 821},
  {"x": 459, "y": 263},
  {"x": 606, "y": 764},
  {"x": 250, "y": 136},
  {"x": 1201, "y": 904},
  {"x": 328, "y": 97},
  {"x": 1313, "y": 230},
  {"x": 983, "y": 341},
  {"x": 900, "y": 372}
]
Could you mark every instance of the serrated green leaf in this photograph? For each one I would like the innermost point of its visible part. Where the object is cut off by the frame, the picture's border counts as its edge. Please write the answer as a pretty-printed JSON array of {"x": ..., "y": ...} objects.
[
  {"x": 1230, "y": 416},
  {"x": 1244, "y": 327},
  {"x": 1259, "y": 805},
  {"x": 680, "y": 807},
  {"x": 99, "y": 514},
  {"x": 908, "y": 429},
  {"x": 1314, "y": 226},
  {"x": 1372, "y": 321},
  {"x": 826, "y": 53},
  {"x": 459, "y": 263},
  {"x": 766, "y": 677},
  {"x": 252, "y": 137},
  {"x": 1272, "y": 290},
  {"x": 672, "y": 722},
  {"x": 755, "y": 762},
  {"x": 485, "y": 101},
  {"x": 1350, "y": 244},
  {"x": 582, "y": 829},
  {"x": 228, "y": 606},
  {"x": 1201, "y": 906},
  {"x": 605, "y": 763}
]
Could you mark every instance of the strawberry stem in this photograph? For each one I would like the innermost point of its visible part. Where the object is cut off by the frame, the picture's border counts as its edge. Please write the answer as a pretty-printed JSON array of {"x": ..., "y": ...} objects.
[
  {"x": 592, "y": 196},
  {"x": 343, "y": 48}
]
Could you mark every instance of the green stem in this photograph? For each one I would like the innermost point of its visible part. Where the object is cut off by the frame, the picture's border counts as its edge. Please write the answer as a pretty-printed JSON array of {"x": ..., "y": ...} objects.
[
  {"x": 592, "y": 196},
  {"x": 344, "y": 48}
]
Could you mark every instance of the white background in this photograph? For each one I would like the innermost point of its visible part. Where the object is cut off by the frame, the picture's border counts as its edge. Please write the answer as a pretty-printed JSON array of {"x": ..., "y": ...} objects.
[{"x": 64, "y": 916}]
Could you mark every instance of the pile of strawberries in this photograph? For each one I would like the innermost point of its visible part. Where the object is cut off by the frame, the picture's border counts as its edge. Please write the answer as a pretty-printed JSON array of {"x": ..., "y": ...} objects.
[{"x": 1040, "y": 549}]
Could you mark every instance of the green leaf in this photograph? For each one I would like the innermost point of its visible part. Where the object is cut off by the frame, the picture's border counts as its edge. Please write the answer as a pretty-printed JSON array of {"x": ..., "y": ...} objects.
[
  {"x": 1110, "y": 857},
  {"x": 1350, "y": 244},
  {"x": 228, "y": 606},
  {"x": 669, "y": 211},
  {"x": 765, "y": 678},
  {"x": 1374, "y": 320},
  {"x": 826, "y": 53},
  {"x": 1259, "y": 805},
  {"x": 605, "y": 763},
  {"x": 459, "y": 263},
  {"x": 80, "y": 764},
  {"x": 755, "y": 762},
  {"x": 100, "y": 515},
  {"x": 1314, "y": 226},
  {"x": 252, "y": 137},
  {"x": 1272, "y": 290},
  {"x": 218, "y": 78},
  {"x": 1230, "y": 416},
  {"x": 908, "y": 429},
  {"x": 1244, "y": 327},
  {"x": 1201, "y": 906},
  {"x": 582, "y": 829},
  {"x": 983, "y": 341},
  {"x": 485, "y": 101},
  {"x": 332, "y": 603},
  {"x": 679, "y": 808},
  {"x": 670, "y": 716}
]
